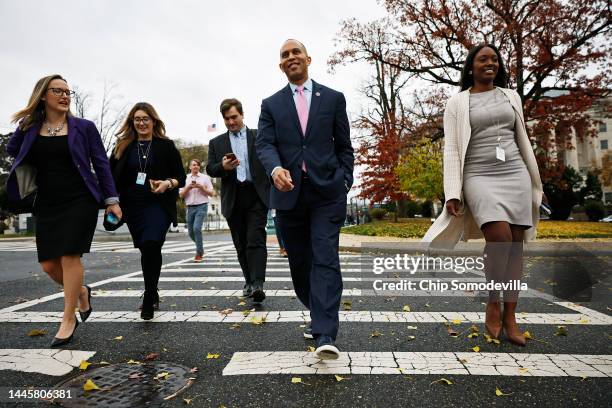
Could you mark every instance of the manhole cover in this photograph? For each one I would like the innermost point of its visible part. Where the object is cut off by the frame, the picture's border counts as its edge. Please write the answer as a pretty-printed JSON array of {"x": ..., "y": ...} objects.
[{"x": 127, "y": 385}]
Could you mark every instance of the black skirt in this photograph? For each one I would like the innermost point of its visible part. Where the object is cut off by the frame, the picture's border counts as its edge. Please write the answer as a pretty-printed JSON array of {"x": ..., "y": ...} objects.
[{"x": 65, "y": 211}]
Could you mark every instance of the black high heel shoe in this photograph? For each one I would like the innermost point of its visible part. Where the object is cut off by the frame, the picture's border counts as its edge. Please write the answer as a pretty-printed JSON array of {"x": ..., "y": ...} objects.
[
  {"x": 84, "y": 315},
  {"x": 57, "y": 342}
]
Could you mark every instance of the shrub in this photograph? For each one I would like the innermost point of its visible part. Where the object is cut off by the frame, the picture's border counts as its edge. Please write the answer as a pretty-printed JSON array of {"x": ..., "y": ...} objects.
[
  {"x": 594, "y": 209},
  {"x": 427, "y": 209},
  {"x": 378, "y": 213},
  {"x": 412, "y": 208}
]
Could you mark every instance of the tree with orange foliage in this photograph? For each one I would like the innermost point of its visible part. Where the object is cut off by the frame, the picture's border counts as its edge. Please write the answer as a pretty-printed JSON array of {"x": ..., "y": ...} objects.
[
  {"x": 387, "y": 127},
  {"x": 555, "y": 50}
]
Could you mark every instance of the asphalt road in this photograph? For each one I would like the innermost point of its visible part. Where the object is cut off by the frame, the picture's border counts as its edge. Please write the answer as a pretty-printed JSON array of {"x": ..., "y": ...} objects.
[{"x": 190, "y": 328}]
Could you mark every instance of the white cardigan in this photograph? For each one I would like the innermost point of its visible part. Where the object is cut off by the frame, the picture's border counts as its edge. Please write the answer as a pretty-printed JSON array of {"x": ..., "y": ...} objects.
[{"x": 447, "y": 230}]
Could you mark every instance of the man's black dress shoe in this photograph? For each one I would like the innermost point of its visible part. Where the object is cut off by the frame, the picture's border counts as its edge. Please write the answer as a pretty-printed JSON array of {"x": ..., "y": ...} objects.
[
  {"x": 308, "y": 332},
  {"x": 258, "y": 294}
]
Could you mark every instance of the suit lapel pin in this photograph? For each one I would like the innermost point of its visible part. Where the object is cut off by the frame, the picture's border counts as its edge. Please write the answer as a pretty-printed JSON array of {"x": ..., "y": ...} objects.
[{"x": 317, "y": 93}]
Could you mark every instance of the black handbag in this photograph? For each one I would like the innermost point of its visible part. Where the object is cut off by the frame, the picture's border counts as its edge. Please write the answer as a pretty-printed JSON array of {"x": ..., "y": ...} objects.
[{"x": 23, "y": 206}]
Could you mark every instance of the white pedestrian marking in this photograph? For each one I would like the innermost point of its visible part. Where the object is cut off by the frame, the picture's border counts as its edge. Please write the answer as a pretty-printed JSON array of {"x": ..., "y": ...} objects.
[
  {"x": 354, "y": 292},
  {"x": 205, "y": 293},
  {"x": 415, "y": 363},
  {"x": 303, "y": 316},
  {"x": 43, "y": 361},
  {"x": 205, "y": 278},
  {"x": 119, "y": 246}
]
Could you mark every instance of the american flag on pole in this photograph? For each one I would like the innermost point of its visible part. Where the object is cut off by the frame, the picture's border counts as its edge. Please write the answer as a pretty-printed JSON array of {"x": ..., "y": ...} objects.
[{"x": 212, "y": 127}]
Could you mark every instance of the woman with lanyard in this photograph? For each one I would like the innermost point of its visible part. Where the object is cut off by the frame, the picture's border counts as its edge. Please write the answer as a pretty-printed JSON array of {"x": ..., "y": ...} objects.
[
  {"x": 198, "y": 188},
  {"x": 492, "y": 184},
  {"x": 54, "y": 153},
  {"x": 148, "y": 172}
]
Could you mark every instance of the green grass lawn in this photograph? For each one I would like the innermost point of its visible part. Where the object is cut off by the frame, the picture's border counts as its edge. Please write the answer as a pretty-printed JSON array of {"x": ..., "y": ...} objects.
[{"x": 416, "y": 228}]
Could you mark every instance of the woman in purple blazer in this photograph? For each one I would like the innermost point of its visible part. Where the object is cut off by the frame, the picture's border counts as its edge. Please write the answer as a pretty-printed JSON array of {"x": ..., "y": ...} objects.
[{"x": 54, "y": 153}]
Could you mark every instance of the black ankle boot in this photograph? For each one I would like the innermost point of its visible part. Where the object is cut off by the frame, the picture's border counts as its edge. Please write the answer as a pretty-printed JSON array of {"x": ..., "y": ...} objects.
[{"x": 148, "y": 302}]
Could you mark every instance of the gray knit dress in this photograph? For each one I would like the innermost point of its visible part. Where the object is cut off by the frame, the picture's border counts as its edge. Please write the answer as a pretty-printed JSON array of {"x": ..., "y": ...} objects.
[{"x": 495, "y": 190}]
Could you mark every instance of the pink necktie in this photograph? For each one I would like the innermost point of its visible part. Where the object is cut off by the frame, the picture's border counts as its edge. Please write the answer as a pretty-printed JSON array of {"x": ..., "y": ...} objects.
[{"x": 302, "y": 110}]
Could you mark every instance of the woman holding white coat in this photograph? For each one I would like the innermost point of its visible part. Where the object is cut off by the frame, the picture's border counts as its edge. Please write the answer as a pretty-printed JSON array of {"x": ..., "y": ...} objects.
[{"x": 492, "y": 184}]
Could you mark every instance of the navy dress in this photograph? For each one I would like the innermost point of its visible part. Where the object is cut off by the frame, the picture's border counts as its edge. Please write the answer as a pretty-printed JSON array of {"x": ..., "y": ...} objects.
[
  {"x": 143, "y": 211},
  {"x": 66, "y": 213}
]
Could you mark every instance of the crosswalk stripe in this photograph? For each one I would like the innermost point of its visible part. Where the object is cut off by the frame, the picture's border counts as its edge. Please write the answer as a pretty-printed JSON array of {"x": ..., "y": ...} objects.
[
  {"x": 303, "y": 316},
  {"x": 416, "y": 363},
  {"x": 286, "y": 269},
  {"x": 278, "y": 279},
  {"x": 117, "y": 246},
  {"x": 290, "y": 293},
  {"x": 43, "y": 361}
]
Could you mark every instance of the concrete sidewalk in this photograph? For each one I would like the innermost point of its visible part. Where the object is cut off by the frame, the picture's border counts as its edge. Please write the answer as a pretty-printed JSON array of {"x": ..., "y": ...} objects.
[{"x": 362, "y": 243}]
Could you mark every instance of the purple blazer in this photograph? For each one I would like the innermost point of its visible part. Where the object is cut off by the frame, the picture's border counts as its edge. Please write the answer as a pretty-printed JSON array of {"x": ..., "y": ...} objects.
[{"x": 86, "y": 149}]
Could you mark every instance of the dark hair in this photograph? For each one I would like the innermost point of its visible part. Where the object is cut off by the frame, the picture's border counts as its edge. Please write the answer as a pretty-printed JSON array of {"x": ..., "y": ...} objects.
[
  {"x": 227, "y": 105},
  {"x": 467, "y": 78}
]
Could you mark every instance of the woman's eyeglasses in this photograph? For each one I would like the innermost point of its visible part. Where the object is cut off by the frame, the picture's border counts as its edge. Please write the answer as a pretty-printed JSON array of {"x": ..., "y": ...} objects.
[{"x": 60, "y": 92}]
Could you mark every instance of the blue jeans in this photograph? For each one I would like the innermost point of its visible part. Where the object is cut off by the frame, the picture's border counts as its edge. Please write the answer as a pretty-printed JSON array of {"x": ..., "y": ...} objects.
[{"x": 195, "y": 218}]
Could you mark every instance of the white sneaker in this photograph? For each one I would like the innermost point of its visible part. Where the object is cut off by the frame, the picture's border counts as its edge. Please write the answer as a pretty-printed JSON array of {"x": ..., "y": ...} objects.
[{"x": 326, "y": 349}]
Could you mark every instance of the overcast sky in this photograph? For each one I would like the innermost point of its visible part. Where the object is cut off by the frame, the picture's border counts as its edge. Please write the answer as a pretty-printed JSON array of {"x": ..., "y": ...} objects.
[{"x": 184, "y": 57}]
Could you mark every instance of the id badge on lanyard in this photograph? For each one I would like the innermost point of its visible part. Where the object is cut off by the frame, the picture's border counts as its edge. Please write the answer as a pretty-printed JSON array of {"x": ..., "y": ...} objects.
[
  {"x": 500, "y": 154},
  {"x": 140, "y": 178}
]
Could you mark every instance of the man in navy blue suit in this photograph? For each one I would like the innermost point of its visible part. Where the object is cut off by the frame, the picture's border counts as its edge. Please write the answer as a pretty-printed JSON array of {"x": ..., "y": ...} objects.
[{"x": 304, "y": 144}]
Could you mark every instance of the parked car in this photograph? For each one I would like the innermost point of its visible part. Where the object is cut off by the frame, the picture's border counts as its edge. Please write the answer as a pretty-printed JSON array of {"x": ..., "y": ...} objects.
[{"x": 607, "y": 219}]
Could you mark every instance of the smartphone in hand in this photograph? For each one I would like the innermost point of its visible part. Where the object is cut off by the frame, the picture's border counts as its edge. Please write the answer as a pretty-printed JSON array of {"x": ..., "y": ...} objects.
[{"x": 112, "y": 218}]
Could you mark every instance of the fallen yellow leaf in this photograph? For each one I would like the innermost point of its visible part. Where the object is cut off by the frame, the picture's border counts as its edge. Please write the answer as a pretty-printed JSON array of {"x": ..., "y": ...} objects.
[
  {"x": 561, "y": 331},
  {"x": 84, "y": 364},
  {"x": 476, "y": 349},
  {"x": 90, "y": 385},
  {"x": 118, "y": 338},
  {"x": 162, "y": 376},
  {"x": 376, "y": 333},
  {"x": 410, "y": 338},
  {"x": 472, "y": 335},
  {"x": 456, "y": 321},
  {"x": 406, "y": 308},
  {"x": 443, "y": 381},
  {"x": 338, "y": 378},
  {"x": 527, "y": 335},
  {"x": 499, "y": 392},
  {"x": 311, "y": 349},
  {"x": 211, "y": 355},
  {"x": 187, "y": 401},
  {"x": 134, "y": 362},
  {"x": 258, "y": 320},
  {"x": 296, "y": 380},
  {"x": 37, "y": 332}
]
